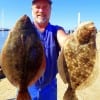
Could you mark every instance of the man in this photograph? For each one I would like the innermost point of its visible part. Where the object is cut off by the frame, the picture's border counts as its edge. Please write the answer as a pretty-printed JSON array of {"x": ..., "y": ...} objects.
[{"x": 52, "y": 38}]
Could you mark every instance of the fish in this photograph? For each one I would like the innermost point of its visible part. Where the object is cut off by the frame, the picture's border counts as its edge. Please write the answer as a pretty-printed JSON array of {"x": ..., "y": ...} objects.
[
  {"x": 22, "y": 57},
  {"x": 77, "y": 59}
]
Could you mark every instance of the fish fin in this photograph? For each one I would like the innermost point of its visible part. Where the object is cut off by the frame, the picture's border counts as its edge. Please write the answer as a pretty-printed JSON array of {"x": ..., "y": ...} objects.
[
  {"x": 70, "y": 94},
  {"x": 23, "y": 95}
]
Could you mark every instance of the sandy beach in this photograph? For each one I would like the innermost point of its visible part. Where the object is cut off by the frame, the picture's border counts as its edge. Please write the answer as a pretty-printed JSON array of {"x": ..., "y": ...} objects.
[{"x": 8, "y": 91}]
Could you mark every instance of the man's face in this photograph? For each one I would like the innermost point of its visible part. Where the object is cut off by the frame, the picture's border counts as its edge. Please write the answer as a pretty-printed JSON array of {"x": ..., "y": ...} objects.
[{"x": 41, "y": 11}]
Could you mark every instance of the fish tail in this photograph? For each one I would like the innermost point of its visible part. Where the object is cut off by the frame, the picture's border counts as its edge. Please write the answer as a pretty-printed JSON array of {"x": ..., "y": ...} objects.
[
  {"x": 70, "y": 94},
  {"x": 23, "y": 94}
]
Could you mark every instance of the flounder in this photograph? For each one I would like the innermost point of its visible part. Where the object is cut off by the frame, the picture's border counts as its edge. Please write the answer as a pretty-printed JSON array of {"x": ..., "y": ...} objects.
[
  {"x": 77, "y": 59},
  {"x": 22, "y": 57}
]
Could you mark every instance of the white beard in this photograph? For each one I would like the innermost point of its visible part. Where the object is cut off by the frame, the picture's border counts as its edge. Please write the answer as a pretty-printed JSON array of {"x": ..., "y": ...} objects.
[{"x": 39, "y": 19}]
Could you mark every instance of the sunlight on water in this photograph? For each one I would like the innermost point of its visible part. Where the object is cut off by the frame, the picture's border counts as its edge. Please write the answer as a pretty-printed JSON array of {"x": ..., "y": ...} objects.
[{"x": 2, "y": 33}]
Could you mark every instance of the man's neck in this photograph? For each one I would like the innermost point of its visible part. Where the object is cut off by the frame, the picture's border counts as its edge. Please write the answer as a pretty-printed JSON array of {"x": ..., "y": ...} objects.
[{"x": 41, "y": 27}]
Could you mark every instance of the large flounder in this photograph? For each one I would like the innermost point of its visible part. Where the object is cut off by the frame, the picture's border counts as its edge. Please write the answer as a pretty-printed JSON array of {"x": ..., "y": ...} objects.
[
  {"x": 77, "y": 59},
  {"x": 22, "y": 57}
]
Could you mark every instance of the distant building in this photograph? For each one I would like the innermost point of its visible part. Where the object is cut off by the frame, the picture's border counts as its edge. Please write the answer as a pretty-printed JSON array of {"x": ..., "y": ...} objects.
[{"x": 4, "y": 29}]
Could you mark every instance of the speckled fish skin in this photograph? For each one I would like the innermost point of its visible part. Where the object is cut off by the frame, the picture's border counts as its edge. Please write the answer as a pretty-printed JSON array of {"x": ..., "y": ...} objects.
[
  {"x": 80, "y": 57},
  {"x": 80, "y": 54},
  {"x": 22, "y": 56}
]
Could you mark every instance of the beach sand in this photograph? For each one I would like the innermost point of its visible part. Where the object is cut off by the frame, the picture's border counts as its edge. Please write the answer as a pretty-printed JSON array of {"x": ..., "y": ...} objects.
[{"x": 8, "y": 91}]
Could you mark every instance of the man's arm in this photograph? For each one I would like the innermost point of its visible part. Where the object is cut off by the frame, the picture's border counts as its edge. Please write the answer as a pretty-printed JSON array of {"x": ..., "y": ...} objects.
[{"x": 61, "y": 37}]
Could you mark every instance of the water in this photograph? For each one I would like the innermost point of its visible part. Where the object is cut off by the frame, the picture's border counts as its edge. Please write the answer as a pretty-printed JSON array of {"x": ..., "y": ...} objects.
[{"x": 3, "y": 36}]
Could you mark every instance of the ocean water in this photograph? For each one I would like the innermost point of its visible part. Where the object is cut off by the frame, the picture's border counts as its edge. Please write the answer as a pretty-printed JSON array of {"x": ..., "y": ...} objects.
[{"x": 3, "y": 36}]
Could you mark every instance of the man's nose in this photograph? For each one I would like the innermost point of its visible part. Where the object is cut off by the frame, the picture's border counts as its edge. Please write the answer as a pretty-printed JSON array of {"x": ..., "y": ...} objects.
[{"x": 41, "y": 10}]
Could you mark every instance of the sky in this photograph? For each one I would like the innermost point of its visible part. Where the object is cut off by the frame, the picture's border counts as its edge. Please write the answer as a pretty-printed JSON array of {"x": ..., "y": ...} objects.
[{"x": 64, "y": 12}]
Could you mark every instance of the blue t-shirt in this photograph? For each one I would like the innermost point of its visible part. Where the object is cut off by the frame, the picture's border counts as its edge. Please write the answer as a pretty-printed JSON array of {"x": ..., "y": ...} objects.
[
  {"x": 46, "y": 86},
  {"x": 51, "y": 47}
]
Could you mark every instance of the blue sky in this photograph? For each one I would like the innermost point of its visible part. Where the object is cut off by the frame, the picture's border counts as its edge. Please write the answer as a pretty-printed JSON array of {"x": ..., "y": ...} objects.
[{"x": 64, "y": 12}]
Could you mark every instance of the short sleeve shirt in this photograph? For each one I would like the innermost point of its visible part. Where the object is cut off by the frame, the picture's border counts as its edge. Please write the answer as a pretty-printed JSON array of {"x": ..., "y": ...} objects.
[{"x": 51, "y": 49}]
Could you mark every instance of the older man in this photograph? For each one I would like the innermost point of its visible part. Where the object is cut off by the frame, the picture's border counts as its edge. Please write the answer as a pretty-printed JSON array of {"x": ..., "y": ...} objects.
[{"x": 52, "y": 38}]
